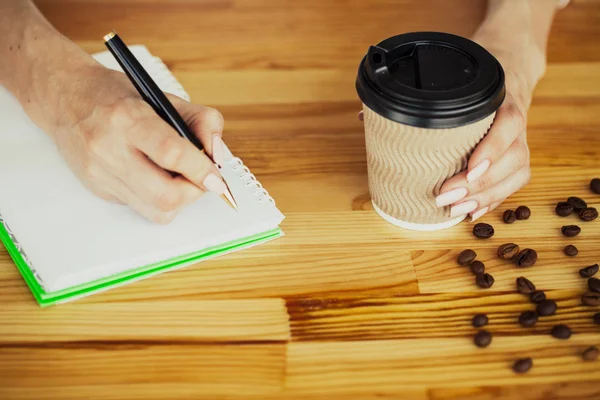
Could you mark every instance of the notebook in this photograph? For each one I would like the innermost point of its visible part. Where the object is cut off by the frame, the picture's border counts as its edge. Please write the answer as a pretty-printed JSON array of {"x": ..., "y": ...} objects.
[{"x": 67, "y": 243}]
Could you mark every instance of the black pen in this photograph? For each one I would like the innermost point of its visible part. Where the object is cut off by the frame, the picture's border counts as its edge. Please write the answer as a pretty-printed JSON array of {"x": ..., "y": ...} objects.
[{"x": 152, "y": 94}]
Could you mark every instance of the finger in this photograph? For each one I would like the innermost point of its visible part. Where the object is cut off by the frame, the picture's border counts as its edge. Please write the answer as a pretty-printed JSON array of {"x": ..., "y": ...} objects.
[
  {"x": 508, "y": 125},
  {"x": 483, "y": 211}
]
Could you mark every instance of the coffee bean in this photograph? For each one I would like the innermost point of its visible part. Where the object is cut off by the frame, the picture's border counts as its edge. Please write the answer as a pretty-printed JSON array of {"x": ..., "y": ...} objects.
[
  {"x": 594, "y": 284},
  {"x": 528, "y": 318},
  {"x": 522, "y": 365},
  {"x": 591, "y": 299},
  {"x": 526, "y": 258},
  {"x": 595, "y": 185},
  {"x": 477, "y": 267},
  {"x": 507, "y": 251},
  {"x": 482, "y": 339},
  {"x": 537, "y": 296},
  {"x": 509, "y": 216},
  {"x": 577, "y": 203},
  {"x": 597, "y": 318},
  {"x": 570, "y": 230},
  {"x": 479, "y": 320},
  {"x": 564, "y": 209},
  {"x": 588, "y": 272},
  {"x": 484, "y": 281},
  {"x": 561, "y": 331},
  {"x": 525, "y": 286},
  {"x": 466, "y": 257},
  {"x": 571, "y": 250},
  {"x": 546, "y": 308},
  {"x": 588, "y": 214},
  {"x": 590, "y": 354},
  {"x": 483, "y": 231},
  {"x": 523, "y": 212}
]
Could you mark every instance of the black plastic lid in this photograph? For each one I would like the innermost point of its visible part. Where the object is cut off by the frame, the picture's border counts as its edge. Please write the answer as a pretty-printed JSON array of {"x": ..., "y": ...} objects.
[{"x": 430, "y": 80}]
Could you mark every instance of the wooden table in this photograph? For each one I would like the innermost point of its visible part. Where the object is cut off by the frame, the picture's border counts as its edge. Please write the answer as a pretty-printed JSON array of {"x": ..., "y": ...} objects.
[{"x": 345, "y": 306}]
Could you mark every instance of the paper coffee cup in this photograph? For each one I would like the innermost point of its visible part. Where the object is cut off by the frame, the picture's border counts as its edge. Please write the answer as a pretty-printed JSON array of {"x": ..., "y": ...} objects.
[{"x": 428, "y": 100}]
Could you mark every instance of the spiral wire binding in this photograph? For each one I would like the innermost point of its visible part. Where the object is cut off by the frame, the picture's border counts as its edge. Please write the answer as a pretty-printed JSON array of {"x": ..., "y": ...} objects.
[
  {"x": 250, "y": 180},
  {"x": 165, "y": 76}
]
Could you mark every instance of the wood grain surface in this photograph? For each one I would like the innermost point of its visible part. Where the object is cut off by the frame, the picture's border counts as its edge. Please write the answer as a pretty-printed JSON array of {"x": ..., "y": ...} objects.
[{"x": 345, "y": 306}]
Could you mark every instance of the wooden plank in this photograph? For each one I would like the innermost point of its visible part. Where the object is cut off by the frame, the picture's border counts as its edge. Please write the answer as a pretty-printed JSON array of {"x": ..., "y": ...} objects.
[{"x": 555, "y": 391}]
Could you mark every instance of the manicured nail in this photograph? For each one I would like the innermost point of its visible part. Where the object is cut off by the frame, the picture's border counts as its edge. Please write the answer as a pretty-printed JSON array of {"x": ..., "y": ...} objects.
[
  {"x": 478, "y": 214},
  {"x": 361, "y": 116},
  {"x": 451, "y": 196},
  {"x": 218, "y": 151},
  {"x": 478, "y": 171},
  {"x": 214, "y": 184},
  {"x": 463, "y": 208}
]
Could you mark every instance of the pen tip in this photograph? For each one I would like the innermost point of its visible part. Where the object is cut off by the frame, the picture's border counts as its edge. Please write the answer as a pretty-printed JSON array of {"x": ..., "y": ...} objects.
[{"x": 229, "y": 198}]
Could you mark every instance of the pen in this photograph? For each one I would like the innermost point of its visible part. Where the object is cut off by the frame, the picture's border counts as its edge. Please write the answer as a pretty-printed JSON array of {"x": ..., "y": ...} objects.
[{"x": 152, "y": 94}]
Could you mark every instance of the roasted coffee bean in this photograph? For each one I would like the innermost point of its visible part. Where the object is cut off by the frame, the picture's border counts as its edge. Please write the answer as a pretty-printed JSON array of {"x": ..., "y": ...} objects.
[
  {"x": 570, "y": 230},
  {"x": 594, "y": 284},
  {"x": 483, "y": 231},
  {"x": 466, "y": 257},
  {"x": 526, "y": 258},
  {"x": 597, "y": 318},
  {"x": 588, "y": 214},
  {"x": 484, "y": 281},
  {"x": 479, "y": 320},
  {"x": 482, "y": 339},
  {"x": 523, "y": 212},
  {"x": 591, "y": 299},
  {"x": 528, "y": 318},
  {"x": 571, "y": 250},
  {"x": 508, "y": 250},
  {"x": 577, "y": 203},
  {"x": 590, "y": 354},
  {"x": 477, "y": 267},
  {"x": 561, "y": 331},
  {"x": 546, "y": 308},
  {"x": 538, "y": 296},
  {"x": 595, "y": 185},
  {"x": 509, "y": 216},
  {"x": 564, "y": 209},
  {"x": 525, "y": 286},
  {"x": 522, "y": 365},
  {"x": 588, "y": 272}
]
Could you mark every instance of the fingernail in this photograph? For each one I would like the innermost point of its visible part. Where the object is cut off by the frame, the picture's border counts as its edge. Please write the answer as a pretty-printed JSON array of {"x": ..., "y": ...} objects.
[
  {"x": 463, "y": 208},
  {"x": 479, "y": 214},
  {"x": 218, "y": 151},
  {"x": 478, "y": 171},
  {"x": 361, "y": 116},
  {"x": 451, "y": 196},
  {"x": 214, "y": 184}
]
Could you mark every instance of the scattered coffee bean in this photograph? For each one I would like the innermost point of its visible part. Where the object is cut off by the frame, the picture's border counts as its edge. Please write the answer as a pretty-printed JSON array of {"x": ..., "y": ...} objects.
[
  {"x": 597, "y": 318},
  {"x": 564, "y": 209},
  {"x": 522, "y": 365},
  {"x": 528, "y": 318},
  {"x": 571, "y": 250},
  {"x": 466, "y": 257},
  {"x": 537, "y": 296},
  {"x": 595, "y": 185},
  {"x": 483, "y": 231},
  {"x": 526, "y": 258},
  {"x": 479, "y": 320},
  {"x": 588, "y": 214},
  {"x": 591, "y": 299},
  {"x": 561, "y": 331},
  {"x": 508, "y": 250},
  {"x": 509, "y": 216},
  {"x": 546, "y": 308},
  {"x": 477, "y": 267},
  {"x": 594, "y": 284},
  {"x": 570, "y": 230},
  {"x": 577, "y": 203},
  {"x": 525, "y": 286},
  {"x": 523, "y": 212},
  {"x": 588, "y": 272},
  {"x": 484, "y": 281},
  {"x": 590, "y": 354},
  {"x": 482, "y": 339}
]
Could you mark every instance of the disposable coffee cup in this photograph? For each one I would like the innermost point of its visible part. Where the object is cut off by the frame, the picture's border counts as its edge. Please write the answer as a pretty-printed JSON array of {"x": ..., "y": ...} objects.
[{"x": 428, "y": 100}]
